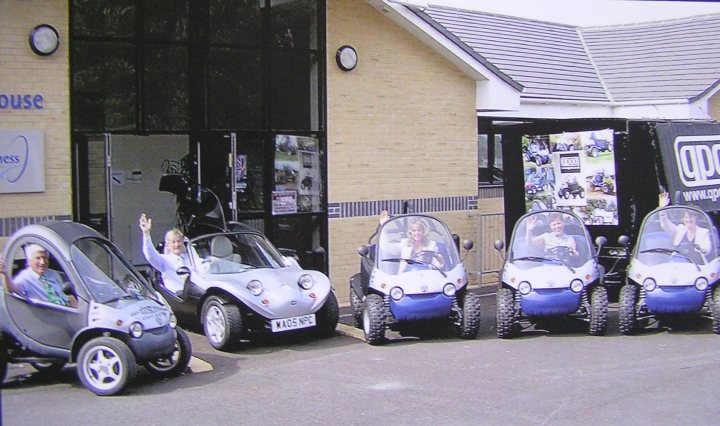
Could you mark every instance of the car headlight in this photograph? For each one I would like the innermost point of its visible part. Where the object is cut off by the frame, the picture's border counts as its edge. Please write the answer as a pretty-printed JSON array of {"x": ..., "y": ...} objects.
[
  {"x": 255, "y": 287},
  {"x": 701, "y": 283},
  {"x": 576, "y": 285},
  {"x": 172, "y": 320},
  {"x": 136, "y": 330},
  {"x": 397, "y": 293},
  {"x": 649, "y": 284},
  {"x": 306, "y": 282},
  {"x": 524, "y": 287},
  {"x": 449, "y": 290}
]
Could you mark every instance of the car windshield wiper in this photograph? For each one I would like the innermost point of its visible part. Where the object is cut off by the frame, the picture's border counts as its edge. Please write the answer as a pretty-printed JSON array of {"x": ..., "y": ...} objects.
[
  {"x": 545, "y": 260},
  {"x": 115, "y": 299},
  {"x": 416, "y": 262},
  {"x": 671, "y": 252}
]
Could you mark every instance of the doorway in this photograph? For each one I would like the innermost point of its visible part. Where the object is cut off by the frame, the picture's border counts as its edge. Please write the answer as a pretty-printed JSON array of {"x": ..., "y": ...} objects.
[{"x": 117, "y": 179}]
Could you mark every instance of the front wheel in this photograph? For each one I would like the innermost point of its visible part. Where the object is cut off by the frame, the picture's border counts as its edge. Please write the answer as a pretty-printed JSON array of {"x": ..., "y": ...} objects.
[
  {"x": 176, "y": 363},
  {"x": 106, "y": 365},
  {"x": 627, "y": 314},
  {"x": 505, "y": 315},
  {"x": 469, "y": 324},
  {"x": 3, "y": 364},
  {"x": 374, "y": 319},
  {"x": 598, "y": 311},
  {"x": 328, "y": 316},
  {"x": 222, "y": 323}
]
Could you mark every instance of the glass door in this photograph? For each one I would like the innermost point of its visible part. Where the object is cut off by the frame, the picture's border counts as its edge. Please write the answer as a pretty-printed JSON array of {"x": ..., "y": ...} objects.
[{"x": 92, "y": 181}]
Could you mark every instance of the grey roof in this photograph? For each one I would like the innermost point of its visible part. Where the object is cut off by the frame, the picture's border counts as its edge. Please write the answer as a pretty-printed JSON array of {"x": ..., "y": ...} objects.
[{"x": 678, "y": 59}]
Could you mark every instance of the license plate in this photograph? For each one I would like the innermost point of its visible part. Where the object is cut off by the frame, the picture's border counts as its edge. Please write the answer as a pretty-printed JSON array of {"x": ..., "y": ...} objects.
[{"x": 293, "y": 323}]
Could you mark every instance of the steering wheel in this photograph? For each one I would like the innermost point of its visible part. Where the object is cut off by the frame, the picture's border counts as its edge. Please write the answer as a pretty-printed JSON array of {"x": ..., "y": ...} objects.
[
  {"x": 427, "y": 256},
  {"x": 560, "y": 252}
]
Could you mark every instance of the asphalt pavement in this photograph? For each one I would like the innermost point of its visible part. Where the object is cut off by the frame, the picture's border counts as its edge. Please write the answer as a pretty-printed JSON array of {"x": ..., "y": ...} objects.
[{"x": 663, "y": 376}]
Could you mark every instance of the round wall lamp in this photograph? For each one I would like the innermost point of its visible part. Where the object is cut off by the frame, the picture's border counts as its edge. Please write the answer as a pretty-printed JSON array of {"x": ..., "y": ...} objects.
[
  {"x": 44, "y": 40},
  {"x": 346, "y": 58}
]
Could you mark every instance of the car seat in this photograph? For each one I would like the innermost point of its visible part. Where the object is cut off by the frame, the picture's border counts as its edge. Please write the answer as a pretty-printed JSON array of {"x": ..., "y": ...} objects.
[{"x": 222, "y": 248}]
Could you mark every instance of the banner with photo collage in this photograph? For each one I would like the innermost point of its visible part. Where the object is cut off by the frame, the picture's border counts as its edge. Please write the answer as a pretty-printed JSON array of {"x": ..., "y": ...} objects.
[
  {"x": 572, "y": 171},
  {"x": 298, "y": 185}
]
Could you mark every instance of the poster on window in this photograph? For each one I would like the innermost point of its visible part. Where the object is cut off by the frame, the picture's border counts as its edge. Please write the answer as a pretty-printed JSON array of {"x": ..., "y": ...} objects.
[
  {"x": 573, "y": 171},
  {"x": 240, "y": 172},
  {"x": 284, "y": 202},
  {"x": 297, "y": 169}
]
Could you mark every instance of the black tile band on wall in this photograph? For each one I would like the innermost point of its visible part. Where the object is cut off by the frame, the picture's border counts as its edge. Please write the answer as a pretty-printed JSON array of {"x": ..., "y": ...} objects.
[
  {"x": 8, "y": 225},
  {"x": 416, "y": 205}
]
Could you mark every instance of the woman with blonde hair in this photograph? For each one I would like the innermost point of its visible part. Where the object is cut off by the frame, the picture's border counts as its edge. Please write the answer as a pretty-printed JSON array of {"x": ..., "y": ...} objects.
[
  {"x": 416, "y": 246},
  {"x": 174, "y": 255}
]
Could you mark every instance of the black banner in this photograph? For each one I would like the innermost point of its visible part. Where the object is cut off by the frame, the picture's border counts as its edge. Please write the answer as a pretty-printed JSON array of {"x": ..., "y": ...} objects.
[{"x": 691, "y": 158}]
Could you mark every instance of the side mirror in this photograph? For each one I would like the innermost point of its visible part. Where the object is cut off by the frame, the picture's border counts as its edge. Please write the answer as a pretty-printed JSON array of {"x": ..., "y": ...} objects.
[
  {"x": 468, "y": 244},
  {"x": 183, "y": 271},
  {"x": 624, "y": 240},
  {"x": 363, "y": 250},
  {"x": 499, "y": 245},
  {"x": 600, "y": 241}
]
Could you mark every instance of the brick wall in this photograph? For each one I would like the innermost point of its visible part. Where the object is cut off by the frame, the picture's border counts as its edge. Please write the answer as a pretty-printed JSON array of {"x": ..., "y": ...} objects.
[
  {"x": 402, "y": 125},
  {"x": 23, "y": 72}
]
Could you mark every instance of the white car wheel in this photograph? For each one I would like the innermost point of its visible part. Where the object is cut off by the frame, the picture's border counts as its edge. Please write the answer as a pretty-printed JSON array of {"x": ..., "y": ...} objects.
[{"x": 106, "y": 365}]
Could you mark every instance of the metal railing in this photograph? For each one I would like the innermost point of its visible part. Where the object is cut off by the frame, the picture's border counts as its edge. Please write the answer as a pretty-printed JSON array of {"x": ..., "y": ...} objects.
[{"x": 488, "y": 262}]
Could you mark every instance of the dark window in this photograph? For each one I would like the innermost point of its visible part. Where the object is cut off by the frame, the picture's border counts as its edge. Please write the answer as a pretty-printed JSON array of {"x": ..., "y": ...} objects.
[
  {"x": 166, "y": 20},
  {"x": 250, "y": 193},
  {"x": 302, "y": 233},
  {"x": 237, "y": 22},
  {"x": 166, "y": 88},
  {"x": 104, "y": 86},
  {"x": 294, "y": 91},
  {"x": 490, "y": 165},
  {"x": 293, "y": 23},
  {"x": 103, "y": 18},
  {"x": 234, "y": 89}
]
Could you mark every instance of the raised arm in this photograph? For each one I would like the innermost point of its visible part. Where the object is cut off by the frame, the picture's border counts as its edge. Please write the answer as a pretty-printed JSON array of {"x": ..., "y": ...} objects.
[
  {"x": 9, "y": 282},
  {"x": 151, "y": 254}
]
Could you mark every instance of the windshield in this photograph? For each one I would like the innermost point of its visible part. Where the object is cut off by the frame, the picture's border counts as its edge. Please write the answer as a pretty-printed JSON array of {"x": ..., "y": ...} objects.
[
  {"x": 234, "y": 252},
  {"x": 408, "y": 243},
  {"x": 107, "y": 276},
  {"x": 550, "y": 237},
  {"x": 677, "y": 234}
]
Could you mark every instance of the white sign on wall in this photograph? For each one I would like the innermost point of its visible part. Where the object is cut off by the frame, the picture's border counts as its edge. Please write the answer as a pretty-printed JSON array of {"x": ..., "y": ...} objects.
[{"x": 22, "y": 161}]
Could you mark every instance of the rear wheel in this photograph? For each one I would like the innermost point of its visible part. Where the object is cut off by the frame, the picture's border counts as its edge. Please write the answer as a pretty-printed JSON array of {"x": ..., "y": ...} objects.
[
  {"x": 48, "y": 367},
  {"x": 627, "y": 314},
  {"x": 594, "y": 152},
  {"x": 505, "y": 314},
  {"x": 222, "y": 323},
  {"x": 470, "y": 322},
  {"x": 176, "y": 363},
  {"x": 328, "y": 316},
  {"x": 356, "y": 307},
  {"x": 106, "y": 365},
  {"x": 374, "y": 319},
  {"x": 716, "y": 310},
  {"x": 598, "y": 310}
]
